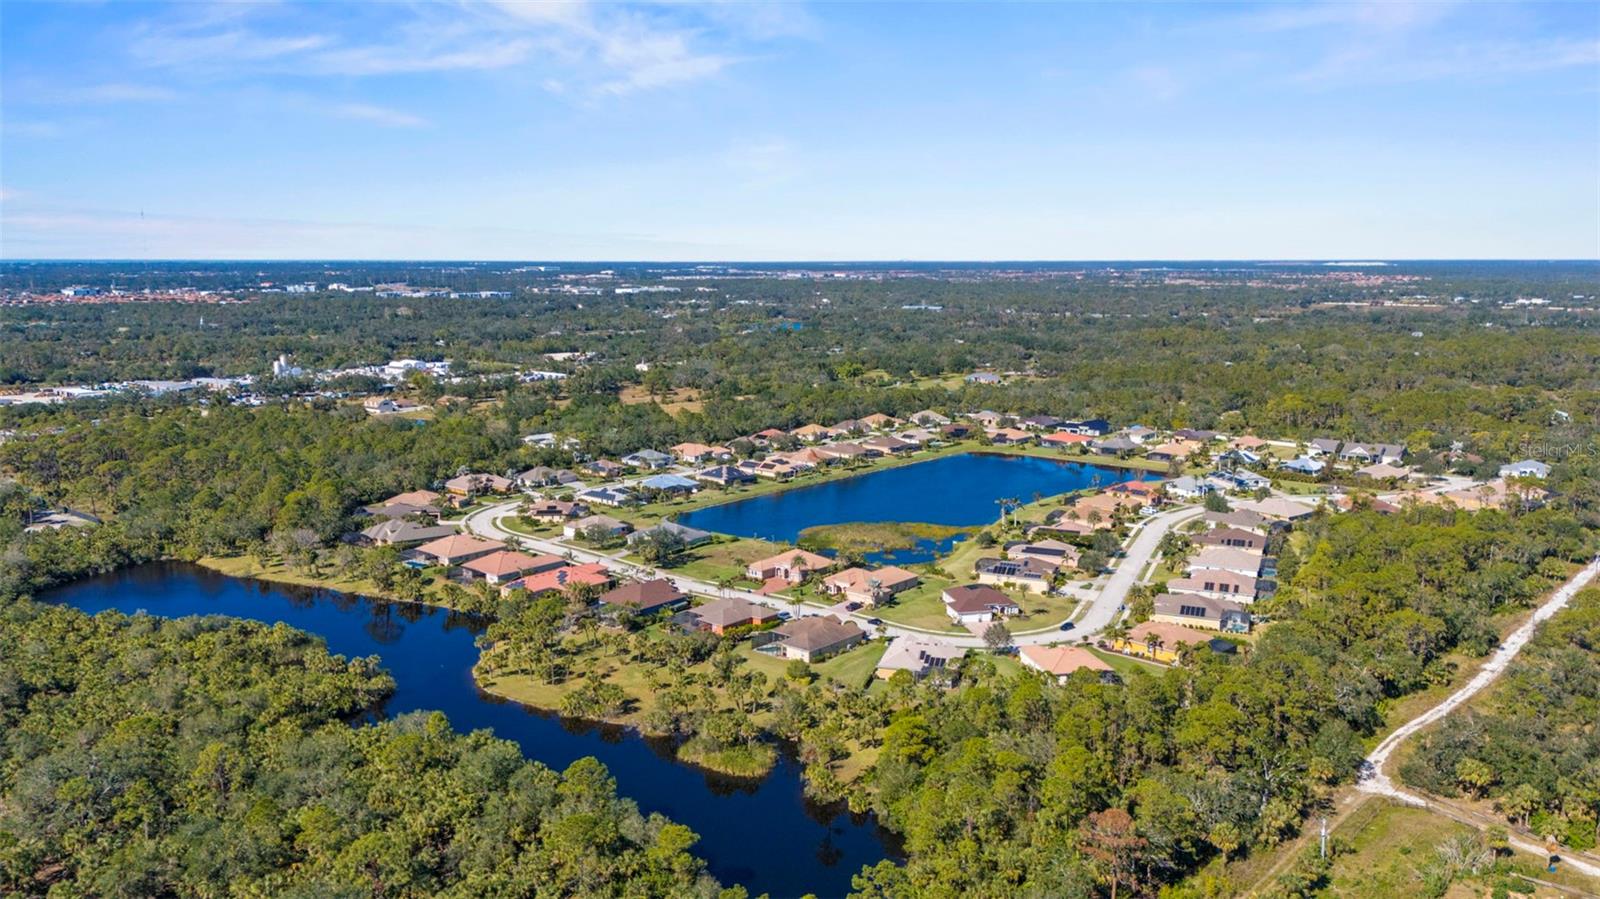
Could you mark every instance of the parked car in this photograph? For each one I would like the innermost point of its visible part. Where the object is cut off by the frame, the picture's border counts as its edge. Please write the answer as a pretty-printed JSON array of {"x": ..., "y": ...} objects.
[{"x": 1067, "y": 625}]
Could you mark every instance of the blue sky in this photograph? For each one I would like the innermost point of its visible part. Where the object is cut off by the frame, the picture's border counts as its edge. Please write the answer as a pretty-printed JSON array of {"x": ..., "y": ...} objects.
[{"x": 573, "y": 130}]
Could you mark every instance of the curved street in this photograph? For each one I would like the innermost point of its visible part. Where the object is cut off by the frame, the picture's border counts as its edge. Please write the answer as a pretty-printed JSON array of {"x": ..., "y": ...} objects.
[{"x": 1105, "y": 600}]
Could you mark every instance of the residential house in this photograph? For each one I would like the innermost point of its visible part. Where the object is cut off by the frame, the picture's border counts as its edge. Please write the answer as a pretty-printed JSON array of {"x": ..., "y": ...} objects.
[
  {"x": 478, "y": 484},
  {"x": 1091, "y": 427},
  {"x": 977, "y": 603},
  {"x": 606, "y": 468},
  {"x": 1172, "y": 451},
  {"x": 1322, "y": 446},
  {"x": 1247, "y": 442},
  {"x": 869, "y": 587},
  {"x": 888, "y": 445},
  {"x": 418, "y": 498},
  {"x": 1161, "y": 641},
  {"x": 689, "y": 536},
  {"x": 1113, "y": 446},
  {"x": 1390, "y": 453},
  {"x": 1243, "y": 479},
  {"x": 615, "y": 497},
  {"x": 814, "y": 638},
  {"x": 930, "y": 419},
  {"x": 1240, "y": 457},
  {"x": 1236, "y": 537},
  {"x": 878, "y": 421},
  {"x": 1061, "y": 661},
  {"x": 1204, "y": 612},
  {"x": 1237, "y": 518},
  {"x": 844, "y": 452},
  {"x": 583, "y": 525},
  {"x": 850, "y": 427},
  {"x": 1217, "y": 584},
  {"x": 399, "y": 532},
  {"x": 726, "y": 475},
  {"x": 669, "y": 483},
  {"x": 768, "y": 436},
  {"x": 792, "y": 566},
  {"x": 1527, "y": 468},
  {"x": 1194, "y": 436},
  {"x": 386, "y": 405},
  {"x": 1064, "y": 439},
  {"x": 545, "y": 476},
  {"x": 1146, "y": 492},
  {"x": 696, "y": 453},
  {"x": 1187, "y": 487},
  {"x": 983, "y": 377},
  {"x": 955, "y": 430},
  {"x": 554, "y": 511},
  {"x": 810, "y": 433},
  {"x": 1009, "y": 436},
  {"x": 988, "y": 418},
  {"x": 1028, "y": 574},
  {"x": 646, "y": 597},
  {"x": 508, "y": 565},
  {"x": 720, "y": 615},
  {"x": 1140, "y": 434},
  {"x": 402, "y": 510},
  {"x": 1278, "y": 508},
  {"x": 1041, "y": 423},
  {"x": 457, "y": 549},
  {"x": 1383, "y": 471},
  {"x": 920, "y": 657},
  {"x": 647, "y": 460},
  {"x": 918, "y": 436},
  {"x": 1305, "y": 465},
  {"x": 1051, "y": 552},
  {"x": 1226, "y": 558},
  {"x": 558, "y": 580},
  {"x": 776, "y": 469}
]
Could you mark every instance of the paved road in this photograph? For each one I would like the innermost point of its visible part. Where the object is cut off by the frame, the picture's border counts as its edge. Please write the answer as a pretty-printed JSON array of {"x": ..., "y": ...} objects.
[
  {"x": 1375, "y": 780},
  {"x": 1105, "y": 601}
]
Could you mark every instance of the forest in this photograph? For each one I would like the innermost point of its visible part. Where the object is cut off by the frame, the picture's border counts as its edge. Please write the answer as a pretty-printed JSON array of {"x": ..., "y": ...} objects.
[{"x": 203, "y": 757}]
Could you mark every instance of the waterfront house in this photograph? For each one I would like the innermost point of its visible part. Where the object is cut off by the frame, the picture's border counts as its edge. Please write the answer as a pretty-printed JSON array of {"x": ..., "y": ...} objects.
[
  {"x": 1113, "y": 446},
  {"x": 1060, "y": 661},
  {"x": 457, "y": 549},
  {"x": 558, "y": 580},
  {"x": 844, "y": 452},
  {"x": 869, "y": 587},
  {"x": 977, "y": 603},
  {"x": 793, "y": 566},
  {"x": 1028, "y": 574},
  {"x": 1051, "y": 552},
  {"x": 888, "y": 445},
  {"x": 669, "y": 483},
  {"x": 399, "y": 532},
  {"x": 1009, "y": 436},
  {"x": 726, "y": 475},
  {"x": 689, "y": 536},
  {"x": 508, "y": 565},
  {"x": 1064, "y": 439}
]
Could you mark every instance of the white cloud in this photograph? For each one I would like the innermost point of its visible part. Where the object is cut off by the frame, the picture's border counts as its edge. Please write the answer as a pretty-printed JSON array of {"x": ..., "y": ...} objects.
[
  {"x": 377, "y": 115},
  {"x": 607, "y": 49},
  {"x": 112, "y": 92}
]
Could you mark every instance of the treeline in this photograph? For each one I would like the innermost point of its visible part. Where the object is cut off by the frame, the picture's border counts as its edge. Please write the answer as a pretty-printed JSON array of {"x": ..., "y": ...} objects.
[
  {"x": 207, "y": 757},
  {"x": 1016, "y": 788},
  {"x": 1532, "y": 745}
]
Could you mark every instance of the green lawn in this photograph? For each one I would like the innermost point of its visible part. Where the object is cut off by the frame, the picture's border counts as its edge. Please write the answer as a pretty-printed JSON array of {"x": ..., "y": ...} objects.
[
  {"x": 1125, "y": 666},
  {"x": 855, "y": 668}
]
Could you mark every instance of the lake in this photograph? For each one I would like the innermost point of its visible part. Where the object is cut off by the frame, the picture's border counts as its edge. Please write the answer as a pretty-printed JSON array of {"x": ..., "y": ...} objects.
[
  {"x": 954, "y": 490},
  {"x": 764, "y": 835}
]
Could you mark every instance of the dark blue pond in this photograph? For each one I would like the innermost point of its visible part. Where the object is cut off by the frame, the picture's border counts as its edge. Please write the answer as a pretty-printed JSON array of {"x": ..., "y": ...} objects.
[
  {"x": 764, "y": 835},
  {"x": 954, "y": 490}
]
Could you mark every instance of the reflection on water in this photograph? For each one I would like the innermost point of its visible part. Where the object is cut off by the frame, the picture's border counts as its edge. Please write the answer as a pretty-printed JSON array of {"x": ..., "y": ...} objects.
[{"x": 431, "y": 651}]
